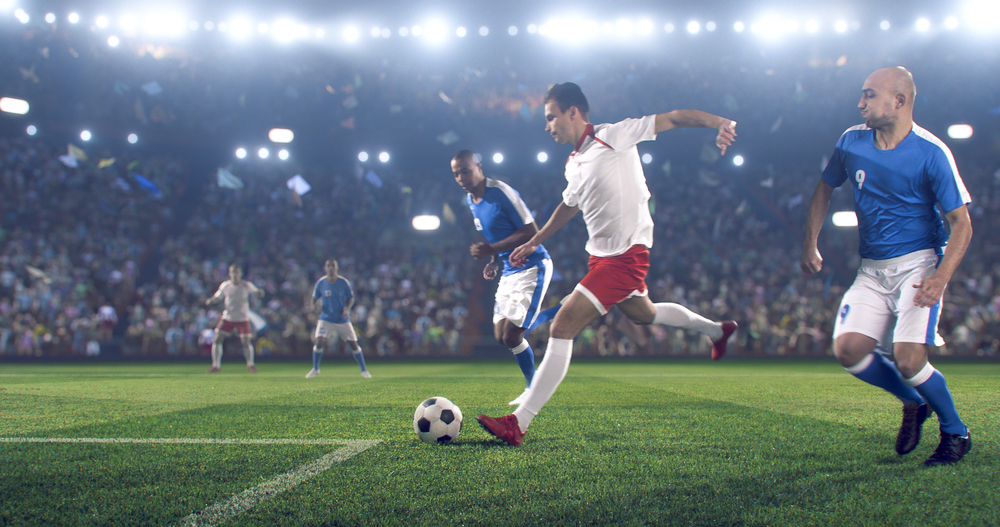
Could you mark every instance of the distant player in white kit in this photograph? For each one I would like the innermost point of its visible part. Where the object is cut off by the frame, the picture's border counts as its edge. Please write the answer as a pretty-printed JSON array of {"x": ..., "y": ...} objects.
[
  {"x": 605, "y": 182},
  {"x": 504, "y": 219},
  {"x": 235, "y": 317},
  {"x": 333, "y": 298}
]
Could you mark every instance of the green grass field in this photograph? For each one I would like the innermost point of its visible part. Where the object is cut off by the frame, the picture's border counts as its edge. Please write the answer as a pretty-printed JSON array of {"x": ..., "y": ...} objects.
[{"x": 621, "y": 443}]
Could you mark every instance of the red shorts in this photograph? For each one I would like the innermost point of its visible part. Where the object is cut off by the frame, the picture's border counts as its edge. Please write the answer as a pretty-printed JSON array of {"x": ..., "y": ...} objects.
[
  {"x": 228, "y": 326},
  {"x": 616, "y": 278}
]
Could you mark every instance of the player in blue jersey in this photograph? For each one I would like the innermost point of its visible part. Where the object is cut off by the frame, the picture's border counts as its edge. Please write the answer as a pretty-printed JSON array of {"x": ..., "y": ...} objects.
[
  {"x": 334, "y": 298},
  {"x": 503, "y": 218},
  {"x": 900, "y": 174}
]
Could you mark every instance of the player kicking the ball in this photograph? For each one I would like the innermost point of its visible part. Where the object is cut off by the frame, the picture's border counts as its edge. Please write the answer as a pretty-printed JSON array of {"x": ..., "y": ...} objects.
[
  {"x": 900, "y": 173},
  {"x": 605, "y": 182},
  {"x": 235, "y": 317},
  {"x": 501, "y": 215},
  {"x": 335, "y": 298}
]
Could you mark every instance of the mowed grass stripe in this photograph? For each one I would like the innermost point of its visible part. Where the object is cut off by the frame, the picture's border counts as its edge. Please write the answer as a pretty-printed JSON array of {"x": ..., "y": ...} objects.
[{"x": 177, "y": 441}]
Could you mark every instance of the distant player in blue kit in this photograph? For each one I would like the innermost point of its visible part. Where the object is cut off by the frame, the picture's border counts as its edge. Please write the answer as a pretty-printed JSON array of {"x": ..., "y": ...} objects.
[
  {"x": 335, "y": 298},
  {"x": 900, "y": 173},
  {"x": 503, "y": 218}
]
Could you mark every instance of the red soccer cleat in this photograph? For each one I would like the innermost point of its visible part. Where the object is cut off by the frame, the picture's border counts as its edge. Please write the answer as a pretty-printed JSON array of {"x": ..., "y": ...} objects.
[
  {"x": 719, "y": 346},
  {"x": 252, "y": 368},
  {"x": 214, "y": 369},
  {"x": 504, "y": 428}
]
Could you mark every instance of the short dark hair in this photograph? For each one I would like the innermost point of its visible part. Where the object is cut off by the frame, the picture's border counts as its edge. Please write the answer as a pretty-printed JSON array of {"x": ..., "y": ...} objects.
[
  {"x": 568, "y": 94},
  {"x": 465, "y": 154}
]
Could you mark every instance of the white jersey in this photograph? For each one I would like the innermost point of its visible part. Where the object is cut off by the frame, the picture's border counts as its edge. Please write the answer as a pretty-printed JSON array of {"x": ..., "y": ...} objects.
[
  {"x": 606, "y": 181},
  {"x": 237, "y": 300}
]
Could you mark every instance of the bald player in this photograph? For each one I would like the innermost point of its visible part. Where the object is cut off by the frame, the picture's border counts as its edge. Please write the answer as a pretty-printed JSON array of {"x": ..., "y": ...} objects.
[{"x": 900, "y": 174}]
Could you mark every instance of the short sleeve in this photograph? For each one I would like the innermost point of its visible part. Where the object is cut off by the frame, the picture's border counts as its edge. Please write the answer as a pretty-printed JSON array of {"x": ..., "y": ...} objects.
[{"x": 835, "y": 172}]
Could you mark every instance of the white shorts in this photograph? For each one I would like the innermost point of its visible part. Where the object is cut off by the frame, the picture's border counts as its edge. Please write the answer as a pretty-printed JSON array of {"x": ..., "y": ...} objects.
[
  {"x": 343, "y": 331},
  {"x": 519, "y": 295},
  {"x": 879, "y": 304}
]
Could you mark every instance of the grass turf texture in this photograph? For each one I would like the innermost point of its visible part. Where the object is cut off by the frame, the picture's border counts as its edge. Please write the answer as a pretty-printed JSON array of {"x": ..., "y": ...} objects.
[{"x": 627, "y": 443}]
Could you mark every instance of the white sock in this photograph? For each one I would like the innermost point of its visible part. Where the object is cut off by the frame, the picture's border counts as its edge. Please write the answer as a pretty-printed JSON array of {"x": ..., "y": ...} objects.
[
  {"x": 547, "y": 377},
  {"x": 678, "y": 316},
  {"x": 248, "y": 354},
  {"x": 217, "y": 354}
]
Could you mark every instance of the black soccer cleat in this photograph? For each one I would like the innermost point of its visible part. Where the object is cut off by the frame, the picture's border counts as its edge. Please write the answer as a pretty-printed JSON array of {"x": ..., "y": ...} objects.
[
  {"x": 909, "y": 432},
  {"x": 953, "y": 447}
]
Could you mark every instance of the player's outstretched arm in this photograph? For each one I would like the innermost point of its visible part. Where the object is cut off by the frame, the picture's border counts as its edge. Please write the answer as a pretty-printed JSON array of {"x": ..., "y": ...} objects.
[
  {"x": 932, "y": 288},
  {"x": 699, "y": 119},
  {"x": 214, "y": 298},
  {"x": 812, "y": 260},
  {"x": 560, "y": 217}
]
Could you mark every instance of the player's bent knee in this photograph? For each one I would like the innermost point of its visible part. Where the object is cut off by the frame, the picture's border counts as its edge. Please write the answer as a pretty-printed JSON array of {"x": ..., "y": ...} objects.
[{"x": 852, "y": 348}]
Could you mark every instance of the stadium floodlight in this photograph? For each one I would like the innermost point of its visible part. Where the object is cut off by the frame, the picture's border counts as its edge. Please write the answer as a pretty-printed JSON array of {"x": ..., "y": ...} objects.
[
  {"x": 376, "y": 31},
  {"x": 404, "y": 31},
  {"x": 383, "y": 157},
  {"x": 645, "y": 26},
  {"x": 223, "y": 26},
  {"x": 127, "y": 23},
  {"x": 426, "y": 222},
  {"x": 133, "y": 139},
  {"x": 738, "y": 160},
  {"x": 193, "y": 25},
  {"x": 885, "y": 25},
  {"x": 812, "y": 26},
  {"x": 739, "y": 27},
  {"x": 498, "y": 158},
  {"x": 101, "y": 22},
  {"x": 350, "y": 34},
  {"x": 647, "y": 158},
  {"x": 923, "y": 24},
  {"x": 983, "y": 15},
  {"x": 417, "y": 31},
  {"x": 840, "y": 26},
  {"x": 542, "y": 157},
  {"x": 113, "y": 41},
  {"x": 240, "y": 28},
  {"x": 50, "y": 18},
  {"x": 668, "y": 27},
  {"x": 951, "y": 22},
  {"x": 262, "y": 28},
  {"x": 14, "y": 106},
  {"x": 209, "y": 25},
  {"x": 22, "y": 16},
  {"x": 321, "y": 33},
  {"x": 532, "y": 28},
  {"x": 283, "y": 154},
  {"x": 386, "y": 32},
  {"x": 436, "y": 31},
  {"x": 693, "y": 27},
  {"x": 281, "y": 135},
  {"x": 710, "y": 26},
  {"x": 263, "y": 153},
  {"x": 31, "y": 130},
  {"x": 845, "y": 218},
  {"x": 512, "y": 31},
  {"x": 362, "y": 156},
  {"x": 483, "y": 31},
  {"x": 461, "y": 31},
  {"x": 86, "y": 135},
  {"x": 241, "y": 152},
  {"x": 960, "y": 131}
]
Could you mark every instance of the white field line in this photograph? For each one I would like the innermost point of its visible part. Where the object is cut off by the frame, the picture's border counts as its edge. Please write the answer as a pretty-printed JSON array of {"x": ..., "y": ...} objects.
[{"x": 246, "y": 500}]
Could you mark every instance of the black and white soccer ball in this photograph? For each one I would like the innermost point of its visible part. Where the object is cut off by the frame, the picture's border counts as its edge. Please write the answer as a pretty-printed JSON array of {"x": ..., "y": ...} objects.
[{"x": 437, "y": 420}]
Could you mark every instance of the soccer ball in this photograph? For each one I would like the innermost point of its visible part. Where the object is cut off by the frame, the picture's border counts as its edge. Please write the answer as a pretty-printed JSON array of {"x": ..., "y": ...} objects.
[{"x": 437, "y": 420}]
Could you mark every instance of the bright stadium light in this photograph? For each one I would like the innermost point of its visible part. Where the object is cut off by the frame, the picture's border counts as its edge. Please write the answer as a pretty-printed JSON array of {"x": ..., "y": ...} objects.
[
  {"x": 461, "y": 32},
  {"x": 262, "y": 28},
  {"x": 951, "y": 22},
  {"x": 845, "y": 218},
  {"x": 240, "y": 28},
  {"x": 22, "y": 16},
  {"x": 426, "y": 222},
  {"x": 840, "y": 26},
  {"x": 209, "y": 25},
  {"x": 512, "y": 31},
  {"x": 85, "y": 135},
  {"x": 386, "y": 32},
  {"x": 133, "y": 139},
  {"x": 127, "y": 23},
  {"x": 50, "y": 18},
  {"x": 812, "y": 26},
  {"x": 436, "y": 31},
  {"x": 498, "y": 158},
  {"x": 542, "y": 157},
  {"x": 739, "y": 27},
  {"x": 241, "y": 152},
  {"x": 668, "y": 27},
  {"x": 417, "y": 31},
  {"x": 73, "y": 18},
  {"x": 281, "y": 135},
  {"x": 404, "y": 31},
  {"x": 923, "y": 24},
  {"x": 738, "y": 160},
  {"x": 362, "y": 156},
  {"x": 31, "y": 130},
  {"x": 960, "y": 131},
  {"x": 14, "y": 106},
  {"x": 647, "y": 158},
  {"x": 384, "y": 157},
  {"x": 532, "y": 28},
  {"x": 113, "y": 41},
  {"x": 101, "y": 22},
  {"x": 983, "y": 15},
  {"x": 376, "y": 31},
  {"x": 710, "y": 26},
  {"x": 284, "y": 30},
  {"x": 885, "y": 25},
  {"x": 645, "y": 26},
  {"x": 283, "y": 154},
  {"x": 263, "y": 153},
  {"x": 483, "y": 31},
  {"x": 693, "y": 27}
]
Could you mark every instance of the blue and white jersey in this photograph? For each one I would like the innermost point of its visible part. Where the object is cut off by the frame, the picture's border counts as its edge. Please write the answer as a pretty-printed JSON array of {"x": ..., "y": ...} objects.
[
  {"x": 499, "y": 214},
  {"x": 895, "y": 191},
  {"x": 335, "y": 297}
]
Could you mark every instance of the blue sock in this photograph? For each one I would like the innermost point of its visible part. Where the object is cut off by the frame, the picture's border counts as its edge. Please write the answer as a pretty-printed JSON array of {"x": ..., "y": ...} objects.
[
  {"x": 526, "y": 360},
  {"x": 935, "y": 390},
  {"x": 360, "y": 357},
  {"x": 543, "y": 317},
  {"x": 884, "y": 374},
  {"x": 317, "y": 355}
]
